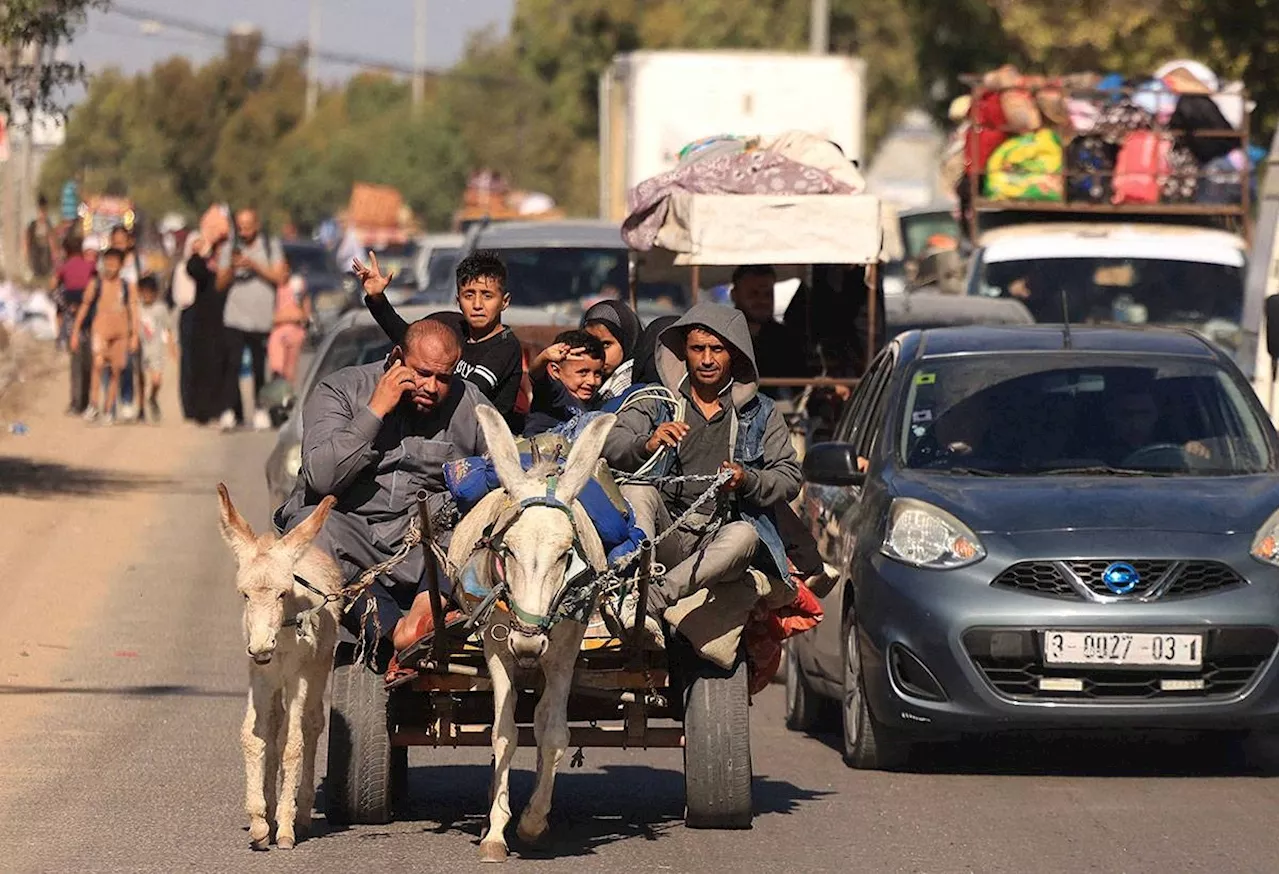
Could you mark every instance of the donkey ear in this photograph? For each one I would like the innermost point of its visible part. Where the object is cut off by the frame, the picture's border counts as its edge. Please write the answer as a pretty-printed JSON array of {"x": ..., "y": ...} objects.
[
  {"x": 581, "y": 463},
  {"x": 298, "y": 541},
  {"x": 502, "y": 448},
  {"x": 235, "y": 530}
]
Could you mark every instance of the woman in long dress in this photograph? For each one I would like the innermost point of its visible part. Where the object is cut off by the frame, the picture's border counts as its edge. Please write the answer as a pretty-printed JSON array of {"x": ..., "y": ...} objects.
[{"x": 208, "y": 347}]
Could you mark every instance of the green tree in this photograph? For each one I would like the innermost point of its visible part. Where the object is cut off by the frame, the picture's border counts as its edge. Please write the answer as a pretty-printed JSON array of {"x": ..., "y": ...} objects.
[
  {"x": 35, "y": 81},
  {"x": 254, "y": 130},
  {"x": 369, "y": 133},
  {"x": 1240, "y": 40}
]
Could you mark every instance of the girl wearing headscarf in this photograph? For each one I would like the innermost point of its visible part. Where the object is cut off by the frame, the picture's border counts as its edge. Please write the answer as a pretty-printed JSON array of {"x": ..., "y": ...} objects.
[{"x": 617, "y": 327}]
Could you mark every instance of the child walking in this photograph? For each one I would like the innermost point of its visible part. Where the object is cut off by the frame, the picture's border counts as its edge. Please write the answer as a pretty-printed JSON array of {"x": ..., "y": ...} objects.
[
  {"x": 155, "y": 322},
  {"x": 113, "y": 311}
]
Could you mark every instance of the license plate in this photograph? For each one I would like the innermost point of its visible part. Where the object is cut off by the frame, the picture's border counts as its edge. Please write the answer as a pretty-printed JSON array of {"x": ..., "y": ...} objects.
[{"x": 1140, "y": 648}]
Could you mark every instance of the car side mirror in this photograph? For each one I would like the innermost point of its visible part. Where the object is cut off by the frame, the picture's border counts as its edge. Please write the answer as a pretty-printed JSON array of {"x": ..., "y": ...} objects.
[{"x": 833, "y": 464}]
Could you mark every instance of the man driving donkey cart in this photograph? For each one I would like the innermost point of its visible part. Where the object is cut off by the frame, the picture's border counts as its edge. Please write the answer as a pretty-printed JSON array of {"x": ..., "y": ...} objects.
[{"x": 380, "y": 437}]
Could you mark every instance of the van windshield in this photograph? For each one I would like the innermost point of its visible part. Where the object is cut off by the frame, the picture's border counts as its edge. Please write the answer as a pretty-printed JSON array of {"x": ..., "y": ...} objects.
[{"x": 1207, "y": 298}]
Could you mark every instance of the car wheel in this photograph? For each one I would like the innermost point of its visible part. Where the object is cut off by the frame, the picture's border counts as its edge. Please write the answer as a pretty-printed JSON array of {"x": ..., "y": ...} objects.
[
  {"x": 868, "y": 743},
  {"x": 803, "y": 704}
]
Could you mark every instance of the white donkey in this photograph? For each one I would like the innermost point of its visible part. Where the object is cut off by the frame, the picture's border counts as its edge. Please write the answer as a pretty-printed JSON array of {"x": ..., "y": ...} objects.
[
  {"x": 540, "y": 530},
  {"x": 291, "y": 614}
]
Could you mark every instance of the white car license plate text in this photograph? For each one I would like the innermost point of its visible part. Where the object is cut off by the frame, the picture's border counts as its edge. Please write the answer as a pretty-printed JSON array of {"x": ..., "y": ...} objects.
[{"x": 1143, "y": 648}]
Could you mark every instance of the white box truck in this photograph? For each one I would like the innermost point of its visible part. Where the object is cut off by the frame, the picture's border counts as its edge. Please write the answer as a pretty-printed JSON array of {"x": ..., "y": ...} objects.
[{"x": 652, "y": 104}]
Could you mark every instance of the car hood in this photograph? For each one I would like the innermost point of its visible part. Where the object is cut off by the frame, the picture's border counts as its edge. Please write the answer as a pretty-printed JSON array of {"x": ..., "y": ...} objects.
[{"x": 1007, "y": 505}]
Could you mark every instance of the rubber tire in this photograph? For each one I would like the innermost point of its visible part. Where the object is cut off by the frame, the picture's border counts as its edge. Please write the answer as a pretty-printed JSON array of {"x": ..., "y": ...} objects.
[
  {"x": 803, "y": 706},
  {"x": 360, "y": 773},
  {"x": 868, "y": 743},
  {"x": 717, "y": 749}
]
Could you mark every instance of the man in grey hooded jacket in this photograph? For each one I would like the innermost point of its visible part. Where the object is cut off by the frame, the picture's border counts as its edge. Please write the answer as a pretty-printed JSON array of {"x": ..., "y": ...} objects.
[
  {"x": 706, "y": 359},
  {"x": 372, "y": 436}
]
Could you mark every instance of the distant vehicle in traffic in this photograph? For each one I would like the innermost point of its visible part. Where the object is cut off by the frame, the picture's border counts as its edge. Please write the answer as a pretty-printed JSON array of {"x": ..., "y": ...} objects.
[
  {"x": 1125, "y": 274},
  {"x": 324, "y": 282},
  {"x": 1038, "y": 530}
]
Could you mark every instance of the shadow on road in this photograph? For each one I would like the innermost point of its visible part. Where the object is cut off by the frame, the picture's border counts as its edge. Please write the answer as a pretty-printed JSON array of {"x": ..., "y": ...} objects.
[
  {"x": 1090, "y": 754},
  {"x": 123, "y": 691},
  {"x": 590, "y": 809},
  {"x": 27, "y": 478}
]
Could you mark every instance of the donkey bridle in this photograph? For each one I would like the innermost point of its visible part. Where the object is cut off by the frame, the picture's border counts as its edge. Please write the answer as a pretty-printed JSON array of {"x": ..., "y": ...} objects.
[{"x": 522, "y": 620}]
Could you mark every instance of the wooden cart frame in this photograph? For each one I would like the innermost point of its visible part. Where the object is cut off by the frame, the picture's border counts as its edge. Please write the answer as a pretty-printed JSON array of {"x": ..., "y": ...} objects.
[{"x": 444, "y": 699}]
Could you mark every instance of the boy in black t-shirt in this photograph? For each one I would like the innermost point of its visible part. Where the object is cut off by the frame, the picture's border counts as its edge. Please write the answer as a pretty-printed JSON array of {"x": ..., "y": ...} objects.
[
  {"x": 491, "y": 355},
  {"x": 566, "y": 381}
]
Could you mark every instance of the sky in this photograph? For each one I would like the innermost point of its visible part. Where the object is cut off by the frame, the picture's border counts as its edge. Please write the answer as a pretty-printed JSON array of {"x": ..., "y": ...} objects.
[{"x": 368, "y": 28}]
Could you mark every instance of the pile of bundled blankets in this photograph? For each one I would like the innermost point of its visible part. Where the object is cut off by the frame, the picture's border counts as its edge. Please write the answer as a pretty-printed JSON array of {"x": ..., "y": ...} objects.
[
  {"x": 1102, "y": 139},
  {"x": 793, "y": 163}
]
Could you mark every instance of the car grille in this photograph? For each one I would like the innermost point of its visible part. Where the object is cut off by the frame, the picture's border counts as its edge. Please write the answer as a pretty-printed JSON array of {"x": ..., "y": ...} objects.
[
  {"x": 1233, "y": 658},
  {"x": 1159, "y": 578}
]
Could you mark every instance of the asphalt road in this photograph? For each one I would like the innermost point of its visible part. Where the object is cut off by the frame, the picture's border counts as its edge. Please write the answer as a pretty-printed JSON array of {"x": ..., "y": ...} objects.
[{"x": 122, "y": 678}]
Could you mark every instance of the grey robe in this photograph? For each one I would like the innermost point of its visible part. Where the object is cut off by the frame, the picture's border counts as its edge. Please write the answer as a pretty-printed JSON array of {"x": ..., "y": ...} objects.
[{"x": 376, "y": 467}]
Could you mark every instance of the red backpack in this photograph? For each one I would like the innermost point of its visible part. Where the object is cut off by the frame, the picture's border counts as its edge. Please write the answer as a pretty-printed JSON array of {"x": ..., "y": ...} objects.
[{"x": 1141, "y": 164}]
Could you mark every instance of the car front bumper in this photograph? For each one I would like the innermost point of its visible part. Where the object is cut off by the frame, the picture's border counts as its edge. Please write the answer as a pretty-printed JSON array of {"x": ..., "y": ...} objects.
[{"x": 946, "y": 651}]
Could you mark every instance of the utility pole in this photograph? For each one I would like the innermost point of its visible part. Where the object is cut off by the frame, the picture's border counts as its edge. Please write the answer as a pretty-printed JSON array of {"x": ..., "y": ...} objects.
[
  {"x": 26, "y": 199},
  {"x": 313, "y": 60},
  {"x": 819, "y": 27},
  {"x": 419, "y": 50},
  {"x": 10, "y": 241}
]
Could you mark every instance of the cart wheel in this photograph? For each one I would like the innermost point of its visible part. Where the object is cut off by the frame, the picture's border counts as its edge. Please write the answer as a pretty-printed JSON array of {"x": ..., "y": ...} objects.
[
  {"x": 717, "y": 749},
  {"x": 360, "y": 777}
]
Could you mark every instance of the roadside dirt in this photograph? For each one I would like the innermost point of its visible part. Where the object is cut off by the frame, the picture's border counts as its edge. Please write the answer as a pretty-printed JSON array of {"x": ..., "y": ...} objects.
[{"x": 75, "y": 499}]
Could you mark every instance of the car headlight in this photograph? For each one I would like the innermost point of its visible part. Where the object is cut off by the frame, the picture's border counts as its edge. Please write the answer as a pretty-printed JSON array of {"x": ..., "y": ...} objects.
[
  {"x": 926, "y": 536},
  {"x": 293, "y": 460},
  {"x": 1265, "y": 541}
]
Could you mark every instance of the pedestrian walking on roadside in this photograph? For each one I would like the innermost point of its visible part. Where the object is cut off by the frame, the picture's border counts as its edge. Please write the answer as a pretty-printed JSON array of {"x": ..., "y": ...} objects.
[
  {"x": 156, "y": 342},
  {"x": 111, "y": 307},
  {"x": 69, "y": 283},
  {"x": 293, "y": 312},
  {"x": 204, "y": 340},
  {"x": 250, "y": 270},
  {"x": 39, "y": 245}
]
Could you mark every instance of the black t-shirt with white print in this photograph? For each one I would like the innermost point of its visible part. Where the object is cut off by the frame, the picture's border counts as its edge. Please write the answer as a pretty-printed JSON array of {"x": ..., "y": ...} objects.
[{"x": 495, "y": 366}]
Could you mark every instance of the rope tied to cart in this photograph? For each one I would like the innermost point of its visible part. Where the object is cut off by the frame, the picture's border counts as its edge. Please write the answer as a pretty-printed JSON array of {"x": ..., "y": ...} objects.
[{"x": 588, "y": 586}]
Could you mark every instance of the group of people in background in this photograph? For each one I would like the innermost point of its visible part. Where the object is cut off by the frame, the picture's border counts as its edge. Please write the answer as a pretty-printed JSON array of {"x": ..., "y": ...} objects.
[
  {"x": 238, "y": 297},
  {"x": 228, "y": 297},
  {"x": 112, "y": 320}
]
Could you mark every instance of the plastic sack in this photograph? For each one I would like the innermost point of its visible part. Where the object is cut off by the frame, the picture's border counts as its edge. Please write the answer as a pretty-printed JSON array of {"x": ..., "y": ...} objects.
[
  {"x": 1178, "y": 182},
  {"x": 767, "y": 629},
  {"x": 1027, "y": 167},
  {"x": 1021, "y": 113},
  {"x": 470, "y": 479},
  {"x": 1090, "y": 162},
  {"x": 979, "y": 144}
]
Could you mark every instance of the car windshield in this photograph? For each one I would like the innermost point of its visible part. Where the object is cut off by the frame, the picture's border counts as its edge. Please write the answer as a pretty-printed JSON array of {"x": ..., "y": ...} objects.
[
  {"x": 361, "y": 345},
  {"x": 917, "y": 229},
  {"x": 308, "y": 260},
  {"x": 1204, "y": 297},
  {"x": 538, "y": 277},
  {"x": 1026, "y": 414},
  {"x": 440, "y": 268},
  {"x": 399, "y": 260}
]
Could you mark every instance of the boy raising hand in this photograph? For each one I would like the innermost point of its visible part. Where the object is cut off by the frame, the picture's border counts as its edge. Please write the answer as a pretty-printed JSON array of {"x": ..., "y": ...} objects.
[{"x": 491, "y": 354}]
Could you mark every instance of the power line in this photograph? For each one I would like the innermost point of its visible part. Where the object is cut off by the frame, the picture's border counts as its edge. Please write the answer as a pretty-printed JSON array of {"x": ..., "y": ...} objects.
[{"x": 196, "y": 27}]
